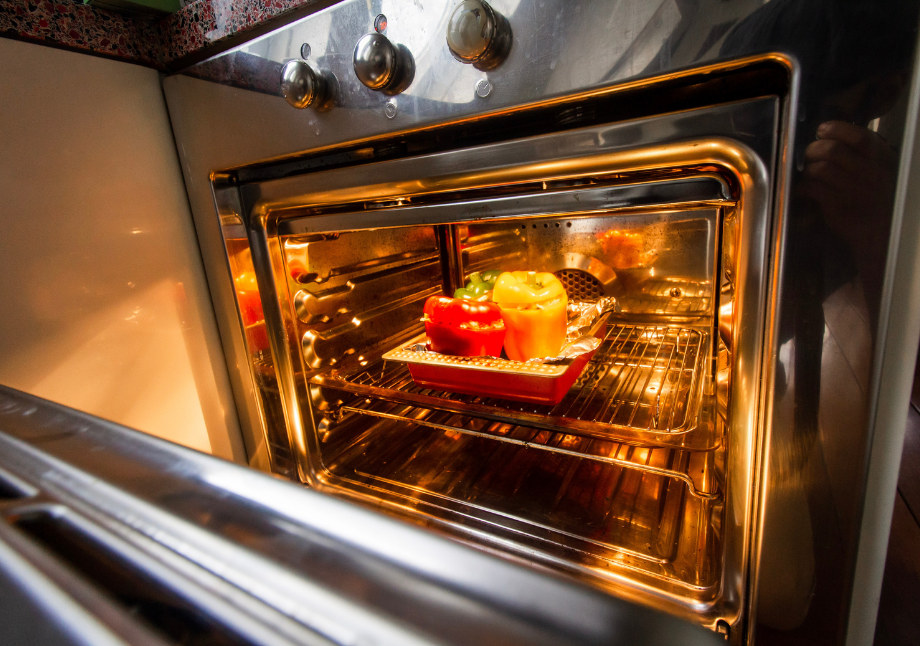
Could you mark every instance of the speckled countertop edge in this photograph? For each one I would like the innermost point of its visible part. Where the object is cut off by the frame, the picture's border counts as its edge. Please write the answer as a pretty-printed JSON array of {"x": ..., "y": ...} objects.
[{"x": 139, "y": 39}]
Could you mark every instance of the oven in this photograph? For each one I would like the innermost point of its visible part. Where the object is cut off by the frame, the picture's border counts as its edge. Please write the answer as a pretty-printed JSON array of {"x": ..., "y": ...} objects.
[
  {"x": 623, "y": 481},
  {"x": 350, "y": 166}
]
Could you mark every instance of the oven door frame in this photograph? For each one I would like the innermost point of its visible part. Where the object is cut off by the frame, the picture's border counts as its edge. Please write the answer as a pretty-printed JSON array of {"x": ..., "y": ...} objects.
[{"x": 704, "y": 142}]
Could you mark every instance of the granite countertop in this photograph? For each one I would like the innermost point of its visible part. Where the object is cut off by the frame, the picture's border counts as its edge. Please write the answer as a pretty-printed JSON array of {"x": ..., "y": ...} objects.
[{"x": 164, "y": 43}]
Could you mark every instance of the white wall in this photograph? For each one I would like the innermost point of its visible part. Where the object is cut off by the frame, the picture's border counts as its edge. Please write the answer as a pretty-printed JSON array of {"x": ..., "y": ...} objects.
[{"x": 103, "y": 301}]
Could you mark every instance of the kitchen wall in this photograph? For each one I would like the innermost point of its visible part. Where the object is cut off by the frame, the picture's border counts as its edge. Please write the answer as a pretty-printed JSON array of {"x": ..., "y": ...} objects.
[{"x": 103, "y": 301}]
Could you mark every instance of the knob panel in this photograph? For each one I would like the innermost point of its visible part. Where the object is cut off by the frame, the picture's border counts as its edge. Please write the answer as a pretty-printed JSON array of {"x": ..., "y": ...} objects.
[
  {"x": 303, "y": 87},
  {"x": 478, "y": 35},
  {"x": 383, "y": 66}
]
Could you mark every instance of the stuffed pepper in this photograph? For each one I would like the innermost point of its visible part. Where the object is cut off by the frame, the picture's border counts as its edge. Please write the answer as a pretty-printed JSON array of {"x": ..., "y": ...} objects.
[
  {"x": 480, "y": 285},
  {"x": 464, "y": 328},
  {"x": 533, "y": 306},
  {"x": 247, "y": 294}
]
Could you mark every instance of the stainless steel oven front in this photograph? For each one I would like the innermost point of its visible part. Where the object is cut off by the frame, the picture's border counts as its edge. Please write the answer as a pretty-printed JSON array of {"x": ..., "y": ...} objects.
[
  {"x": 629, "y": 480},
  {"x": 664, "y": 190}
]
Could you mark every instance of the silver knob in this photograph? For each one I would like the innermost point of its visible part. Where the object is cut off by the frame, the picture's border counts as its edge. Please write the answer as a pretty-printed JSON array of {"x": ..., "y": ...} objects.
[
  {"x": 383, "y": 66},
  {"x": 301, "y": 86},
  {"x": 478, "y": 35}
]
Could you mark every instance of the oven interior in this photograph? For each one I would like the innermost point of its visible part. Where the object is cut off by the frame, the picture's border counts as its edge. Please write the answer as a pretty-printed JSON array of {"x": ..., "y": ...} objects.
[{"x": 622, "y": 478}]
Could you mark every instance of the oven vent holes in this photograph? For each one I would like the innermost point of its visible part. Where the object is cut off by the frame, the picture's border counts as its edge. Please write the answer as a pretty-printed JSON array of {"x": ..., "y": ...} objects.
[{"x": 580, "y": 285}]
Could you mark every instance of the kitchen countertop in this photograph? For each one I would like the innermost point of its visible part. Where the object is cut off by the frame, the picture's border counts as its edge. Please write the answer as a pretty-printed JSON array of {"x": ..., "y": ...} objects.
[{"x": 164, "y": 43}]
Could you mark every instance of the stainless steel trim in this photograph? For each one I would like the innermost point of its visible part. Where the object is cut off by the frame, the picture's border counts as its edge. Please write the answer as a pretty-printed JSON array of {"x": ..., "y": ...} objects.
[
  {"x": 291, "y": 558},
  {"x": 765, "y": 445},
  {"x": 416, "y": 177},
  {"x": 701, "y": 189},
  {"x": 249, "y": 397},
  {"x": 58, "y": 617},
  {"x": 892, "y": 373}
]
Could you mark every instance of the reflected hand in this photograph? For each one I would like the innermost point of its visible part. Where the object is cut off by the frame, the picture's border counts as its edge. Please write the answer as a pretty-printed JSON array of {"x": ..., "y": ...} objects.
[{"x": 850, "y": 173}]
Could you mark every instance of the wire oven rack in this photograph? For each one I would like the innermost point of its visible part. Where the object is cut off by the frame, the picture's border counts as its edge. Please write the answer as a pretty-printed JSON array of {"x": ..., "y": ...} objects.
[
  {"x": 643, "y": 387},
  {"x": 604, "y": 503},
  {"x": 668, "y": 463}
]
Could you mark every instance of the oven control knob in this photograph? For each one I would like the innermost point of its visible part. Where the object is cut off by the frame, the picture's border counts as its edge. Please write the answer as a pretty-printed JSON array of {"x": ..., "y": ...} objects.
[
  {"x": 302, "y": 86},
  {"x": 383, "y": 66},
  {"x": 478, "y": 34}
]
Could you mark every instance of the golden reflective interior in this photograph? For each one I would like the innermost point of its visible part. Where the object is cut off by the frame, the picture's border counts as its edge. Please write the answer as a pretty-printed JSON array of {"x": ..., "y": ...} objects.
[
  {"x": 623, "y": 477},
  {"x": 619, "y": 514}
]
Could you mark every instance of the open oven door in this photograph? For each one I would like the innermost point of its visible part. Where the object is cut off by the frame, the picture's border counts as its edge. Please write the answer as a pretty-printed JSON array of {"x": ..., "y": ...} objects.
[{"x": 110, "y": 536}]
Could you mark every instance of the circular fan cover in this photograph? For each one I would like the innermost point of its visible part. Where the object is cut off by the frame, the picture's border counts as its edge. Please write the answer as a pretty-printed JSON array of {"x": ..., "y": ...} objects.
[{"x": 580, "y": 285}]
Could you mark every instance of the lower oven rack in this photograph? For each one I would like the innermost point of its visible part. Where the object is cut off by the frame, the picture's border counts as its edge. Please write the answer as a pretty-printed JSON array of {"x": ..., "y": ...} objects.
[
  {"x": 644, "y": 387},
  {"x": 652, "y": 514},
  {"x": 646, "y": 460}
]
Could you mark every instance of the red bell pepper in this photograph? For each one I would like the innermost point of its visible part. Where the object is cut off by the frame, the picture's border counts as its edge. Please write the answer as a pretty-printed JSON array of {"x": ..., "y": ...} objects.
[
  {"x": 463, "y": 328},
  {"x": 247, "y": 294}
]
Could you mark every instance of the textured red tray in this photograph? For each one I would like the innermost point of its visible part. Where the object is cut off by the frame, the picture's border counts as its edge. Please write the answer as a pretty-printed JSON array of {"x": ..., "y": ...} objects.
[{"x": 534, "y": 388}]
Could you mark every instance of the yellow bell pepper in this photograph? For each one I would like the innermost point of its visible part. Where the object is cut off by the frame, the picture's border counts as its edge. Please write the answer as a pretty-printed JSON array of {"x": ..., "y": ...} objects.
[{"x": 534, "y": 310}]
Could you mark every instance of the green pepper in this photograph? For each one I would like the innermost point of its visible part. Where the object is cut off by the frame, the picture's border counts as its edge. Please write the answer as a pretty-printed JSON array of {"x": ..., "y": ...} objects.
[
  {"x": 479, "y": 287},
  {"x": 491, "y": 275},
  {"x": 468, "y": 294}
]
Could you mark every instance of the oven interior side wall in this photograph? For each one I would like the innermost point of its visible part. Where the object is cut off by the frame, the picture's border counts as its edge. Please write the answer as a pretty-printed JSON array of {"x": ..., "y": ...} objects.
[{"x": 353, "y": 291}]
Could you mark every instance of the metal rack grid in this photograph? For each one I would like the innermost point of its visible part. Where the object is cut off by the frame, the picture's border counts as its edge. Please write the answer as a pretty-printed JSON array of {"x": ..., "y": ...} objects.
[
  {"x": 662, "y": 462},
  {"x": 642, "y": 377},
  {"x": 633, "y": 511},
  {"x": 643, "y": 386}
]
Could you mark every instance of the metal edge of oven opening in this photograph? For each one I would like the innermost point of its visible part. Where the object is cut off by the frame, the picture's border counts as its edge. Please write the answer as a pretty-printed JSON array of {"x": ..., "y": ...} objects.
[{"x": 705, "y": 151}]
